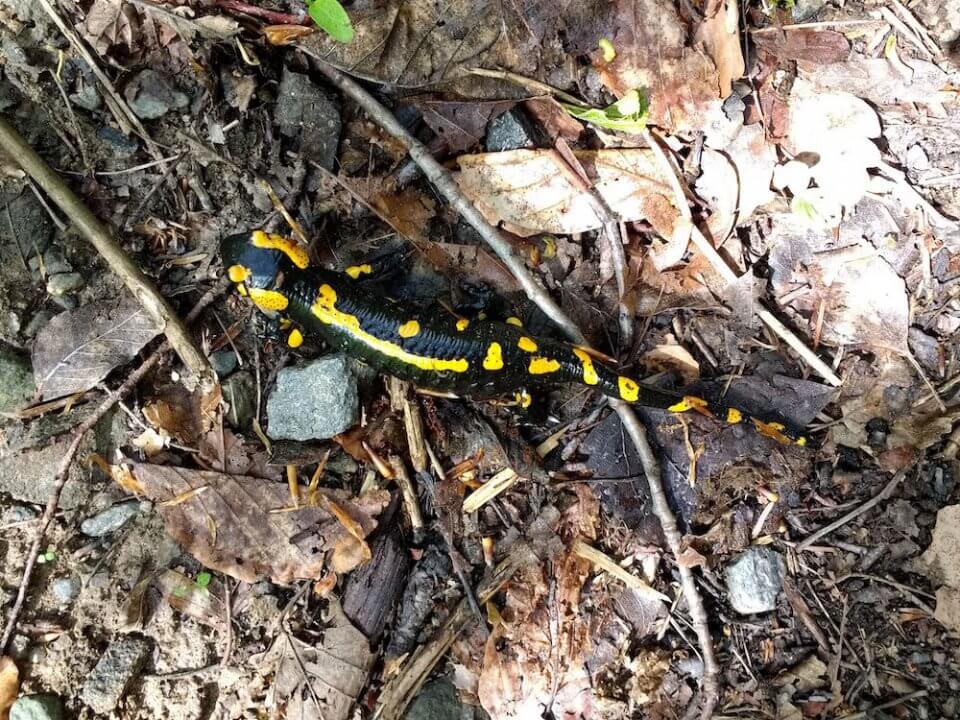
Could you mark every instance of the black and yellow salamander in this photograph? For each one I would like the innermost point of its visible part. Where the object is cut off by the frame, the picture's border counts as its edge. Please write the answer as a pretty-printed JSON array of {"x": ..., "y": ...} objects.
[{"x": 439, "y": 351}]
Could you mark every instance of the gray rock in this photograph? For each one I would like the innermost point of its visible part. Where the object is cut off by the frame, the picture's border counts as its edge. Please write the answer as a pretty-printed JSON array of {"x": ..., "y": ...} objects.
[
  {"x": 109, "y": 680},
  {"x": 224, "y": 362},
  {"x": 804, "y": 10},
  {"x": 436, "y": 701},
  {"x": 28, "y": 475},
  {"x": 304, "y": 109},
  {"x": 65, "y": 589},
  {"x": 87, "y": 97},
  {"x": 16, "y": 380},
  {"x": 37, "y": 707},
  {"x": 54, "y": 261},
  {"x": 17, "y": 514},
  {"x": 151, "y": 95},
  {"x": 110, "y": 520},
  {"x": 37, "y": 323},
  {"x": 32, "y": 227},
  {"x": 121, "y": 145},
  {"x": 63, "y": 283},
  {"x": 510, "y": 131},
  {"x": 754, "y": 580},
  {"x": 240, "y": 392},
  {"x": 315, "y": 402}
]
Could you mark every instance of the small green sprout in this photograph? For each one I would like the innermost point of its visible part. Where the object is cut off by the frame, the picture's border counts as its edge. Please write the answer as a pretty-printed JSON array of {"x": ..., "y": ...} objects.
[{"x": 628, "y": 114}]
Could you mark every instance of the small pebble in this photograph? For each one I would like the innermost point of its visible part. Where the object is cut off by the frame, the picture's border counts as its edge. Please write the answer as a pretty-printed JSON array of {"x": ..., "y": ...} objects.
[
  {"x": 65, "y": 589},
  {"x": 110, "y": 520},
  {"x": 16, "y": 514},
  {"x": 120, "y": 664},
  {"x": 63, "y": 283},
  {"x": 37, "y": 707},
  {"x": 224, "y": 362}
]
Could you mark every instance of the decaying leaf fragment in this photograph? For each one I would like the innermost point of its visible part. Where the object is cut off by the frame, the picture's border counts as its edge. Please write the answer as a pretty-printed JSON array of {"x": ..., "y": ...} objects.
[
  {"x": 243, "y": 526},
  {"x": 9, "y": 685},
  {"x": 530, "y": 192},
  {"x": 324, "y": 679},
  {"x": 941, "y": 562},
  {"x": 78, "y": 348}
]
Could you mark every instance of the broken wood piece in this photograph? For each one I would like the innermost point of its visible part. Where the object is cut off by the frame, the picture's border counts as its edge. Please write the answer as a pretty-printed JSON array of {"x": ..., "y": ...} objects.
[
  {"x": 503, "y": 480},
  {"x": 602, "y": 561}
]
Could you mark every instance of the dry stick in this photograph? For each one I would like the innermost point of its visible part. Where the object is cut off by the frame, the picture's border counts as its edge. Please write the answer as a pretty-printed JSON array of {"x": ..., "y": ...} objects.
[
  {"x": 98, "y": 236},
  {"x": 63, "y": 470},
  {"x": 876, "y": 500},
  {"x": 443, "y": 181},
  {"x": 869, "y": 712}
]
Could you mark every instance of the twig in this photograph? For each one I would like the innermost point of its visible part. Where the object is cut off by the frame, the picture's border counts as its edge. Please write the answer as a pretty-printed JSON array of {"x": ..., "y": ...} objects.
[
  {"x": 60, "y": 479},
  {"x": 444, "y": 182},
  {"x": 407, "y": 492},
  {"x": 144, "y": 204},
  {"x": 885, "y": 706},
  {"x": 855, "y": 513},
  {"x": 98, "y": 236},
  {"x": 400, "y": 689}
]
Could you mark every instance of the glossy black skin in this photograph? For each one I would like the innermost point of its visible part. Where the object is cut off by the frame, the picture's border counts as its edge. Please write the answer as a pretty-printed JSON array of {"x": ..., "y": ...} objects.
[{"x": 438, "y": 337}]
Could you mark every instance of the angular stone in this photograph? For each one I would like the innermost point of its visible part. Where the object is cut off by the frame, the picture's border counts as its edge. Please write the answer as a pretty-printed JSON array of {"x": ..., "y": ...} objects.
[
  {"x": 315, "y": 402},
  {"x": 754, "y": 579},
  {"x": 112, "y": 675},
  {"x": 110, "y": 520}
]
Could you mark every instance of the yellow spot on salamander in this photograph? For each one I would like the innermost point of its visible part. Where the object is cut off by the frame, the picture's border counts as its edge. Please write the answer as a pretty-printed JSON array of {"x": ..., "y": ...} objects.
[
  {"x": 772, "y": 430},
  {"x": 689, "y": 402},
  {"x": 242, "y": 290},
  {"x": 801, "y": 441},
  {"x": 523, "y": 399},
  {"x": 295, "y": 339},
  {"x": 526, "y": 344},
  {"x": 590, "y": 376},
  {"x": 734, "y": 416},
  {"x": 288, "y": 246},
  {"x": 543, "y": 366},
  {"x": 409, "y": 329},
  {"x": 629, "y": 390},
  {"x": 325, "y": 310},
  {"x": 494, "y": 358},
  {"x": 355, "y": 271},
  {"x": 238, "y": 273},
  {"x": 513, "y": 320},
  {"x": 462, "y": 324},
  {"x": 268, "y": 300}
]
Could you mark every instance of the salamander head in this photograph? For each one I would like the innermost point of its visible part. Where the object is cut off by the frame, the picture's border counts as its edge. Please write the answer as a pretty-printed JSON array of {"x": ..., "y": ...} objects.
[{"x": 247, "y": 265}]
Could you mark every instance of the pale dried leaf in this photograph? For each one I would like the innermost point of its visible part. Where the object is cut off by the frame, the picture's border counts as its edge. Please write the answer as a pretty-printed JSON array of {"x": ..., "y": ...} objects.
[
  {"x": 186, "y": 596},
  {"x": 233, "y": 525},
  {"x": 335, "y": 668},
  {"x": 941, "y": 561},
  {"x": 78, "y": 348},
  {"x": 672, "y": 358},
  {"x": 720, "y": 33},
  {"x": 947, "y": 612},
  {"x": 528, "y": 191},
  {"x": 9, "y": 685},
  {"x": 655, "y": 53},
  {"x": 816, "y": 115},
  {"x": 461, "y": 124}
]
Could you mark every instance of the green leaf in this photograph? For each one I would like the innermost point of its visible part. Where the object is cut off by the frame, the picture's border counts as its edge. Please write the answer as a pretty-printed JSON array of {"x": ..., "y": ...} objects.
[
  {"x": 203, "y": 579},
  {"x": 628, "y": 114},
  {"x": 330, "y": 16}
]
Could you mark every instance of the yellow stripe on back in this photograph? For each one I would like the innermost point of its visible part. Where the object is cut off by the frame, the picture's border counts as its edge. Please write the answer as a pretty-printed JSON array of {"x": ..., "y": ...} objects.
[
  {"x": 590, "y": 376},
  {"x": 268, "y": 300},
  {"x": 355, "y": 271},
  {"x": 494, "y": 358},
  {"x": 540, "y": 365},
  {"x": 288, "y": 246},
  {"x": 629, "y": 390},
  {"x": 325, "y": 310}
]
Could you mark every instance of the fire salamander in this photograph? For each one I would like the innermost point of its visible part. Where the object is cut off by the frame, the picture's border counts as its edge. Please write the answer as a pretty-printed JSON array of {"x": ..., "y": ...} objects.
[{"x": 436, "y": 351}]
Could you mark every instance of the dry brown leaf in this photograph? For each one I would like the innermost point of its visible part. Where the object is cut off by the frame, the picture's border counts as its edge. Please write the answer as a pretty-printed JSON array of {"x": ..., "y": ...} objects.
[
  {"x": 322, "y": 680},
  {"x": 527, "y": 671},
  {"x": 186, "y": 596},
  {"x": 555, "y": 121},
  {"x": 815, "y": 46},
  {"x": 78, "y": 348},
  {"x": 672, "y": 358},
  {"x": 720, "y": 34},
  {"x": 529, "y": 192},
  {"x": 286, "y": 34},
  {"x": 183, "y": 414},
  {"x": 461, "y": 124},
  {"x": 242, "y": 457},
  {"x": 9, "y": 685},
  {"x": 242, "y": 527},
  {"x": 654, "y": 53}
]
